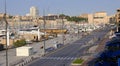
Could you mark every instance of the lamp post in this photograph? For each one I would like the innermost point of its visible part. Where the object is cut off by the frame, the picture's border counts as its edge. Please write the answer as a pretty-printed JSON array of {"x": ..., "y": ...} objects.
[
  {"x": 6, "y": 28},
  {"x": 38, "y": 31},
  {"x": 44, "y": 32},
  {"x": 78, "y": 29},
  {"x": 62, "y": 30}
]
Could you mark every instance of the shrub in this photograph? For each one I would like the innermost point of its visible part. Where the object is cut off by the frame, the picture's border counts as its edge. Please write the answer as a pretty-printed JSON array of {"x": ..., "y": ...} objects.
[
  {"x": 19, "y": 43},
  {"x": 77, "y": 61}
]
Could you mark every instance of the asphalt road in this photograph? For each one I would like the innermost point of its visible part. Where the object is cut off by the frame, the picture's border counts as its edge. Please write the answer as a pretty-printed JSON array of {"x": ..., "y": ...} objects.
[
  {"x": 13, "y": 59},
  {"x": 65, "y": 55}
]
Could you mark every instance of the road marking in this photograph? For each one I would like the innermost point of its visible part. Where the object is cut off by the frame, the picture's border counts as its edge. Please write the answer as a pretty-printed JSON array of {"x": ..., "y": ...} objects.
[{"x": 58, "y": 58}]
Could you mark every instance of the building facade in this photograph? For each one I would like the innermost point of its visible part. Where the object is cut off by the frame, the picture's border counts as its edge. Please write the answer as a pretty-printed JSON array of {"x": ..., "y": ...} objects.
[
  {"x": 2, "y": 15},
  {"x": 112, "y": 19},
  {"x": 34, "y": 12},
  {"x": 118, "y": 19},
  {"x": 100, "y": 18},
  {"x": 97, "y": 18},
  {"x": 51, "y": 17}
]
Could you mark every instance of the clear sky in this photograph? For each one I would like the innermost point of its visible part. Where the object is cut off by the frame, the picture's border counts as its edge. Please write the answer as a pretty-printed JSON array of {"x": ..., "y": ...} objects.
[{"x": 69, "y": 7}]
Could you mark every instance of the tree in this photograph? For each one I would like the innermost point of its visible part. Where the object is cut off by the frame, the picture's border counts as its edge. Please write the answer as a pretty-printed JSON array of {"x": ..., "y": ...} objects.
[
  {"x": 76, "y": 19},
  {"x": 10, "y": 17},
  {"x": 62, "y": 16},
  {"x": 73, "y": 18},
  {"x": 19, "y": 43}
]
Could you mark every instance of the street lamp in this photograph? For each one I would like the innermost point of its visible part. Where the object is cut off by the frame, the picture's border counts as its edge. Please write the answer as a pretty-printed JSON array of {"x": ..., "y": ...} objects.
[
  {"x": 63, "y": 38},
  {"x": 78, "y": 29},
  {"x": 6, "y": 27},
  {"x": 44, "y": 32}
]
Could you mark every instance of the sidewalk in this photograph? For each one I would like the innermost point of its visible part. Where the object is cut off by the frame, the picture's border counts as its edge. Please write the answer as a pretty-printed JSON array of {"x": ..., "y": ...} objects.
[{"x": 100, "y": 47}]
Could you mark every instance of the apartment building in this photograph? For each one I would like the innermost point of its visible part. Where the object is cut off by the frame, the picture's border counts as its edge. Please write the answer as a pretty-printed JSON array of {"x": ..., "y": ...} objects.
[
  {"x": 100, "y": 18},
  {"x": 2, "y": 15},
  {"x": 112, "y": 19},
  {"x": 97, "y": 18},
  {"x": 118, "y": 19},
  {"x": 34, "y": 12}
]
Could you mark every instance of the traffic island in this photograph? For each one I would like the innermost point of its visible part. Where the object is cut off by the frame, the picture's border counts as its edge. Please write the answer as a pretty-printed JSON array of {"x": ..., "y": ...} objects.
[{"x": 77, "y": 62}]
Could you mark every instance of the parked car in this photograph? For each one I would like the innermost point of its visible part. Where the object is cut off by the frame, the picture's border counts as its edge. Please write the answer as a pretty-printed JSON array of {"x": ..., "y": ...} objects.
[
  {"x": 58, "y": 45},
  {"x": 49, "y": 49}
]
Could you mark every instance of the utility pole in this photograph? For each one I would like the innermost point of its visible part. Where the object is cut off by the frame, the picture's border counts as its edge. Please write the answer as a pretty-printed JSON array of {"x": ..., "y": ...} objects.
[
  {"x": 6, "y": 27},
  {"x": 38, "y": 30},
  {"x": 44, "y": 31},
  {"x": 78, "y": 29},
  {"x": 63, "y": 37}
]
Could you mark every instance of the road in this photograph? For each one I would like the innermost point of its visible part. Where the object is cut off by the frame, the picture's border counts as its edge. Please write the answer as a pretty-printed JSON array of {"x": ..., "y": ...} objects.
[
  {"x": 13, "y": 59},
  {"x": 68, "y": 53}
]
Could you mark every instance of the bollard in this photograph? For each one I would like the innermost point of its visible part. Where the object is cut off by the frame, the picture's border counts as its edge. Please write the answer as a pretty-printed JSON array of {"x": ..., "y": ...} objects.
[
  {"x": 20, "y": 64},
  {"x": 17, "y": 65},
  {"x": 30, "y": 58},
  {"x": 23, "y": 63},
  {"x": 26, "y": 61}
]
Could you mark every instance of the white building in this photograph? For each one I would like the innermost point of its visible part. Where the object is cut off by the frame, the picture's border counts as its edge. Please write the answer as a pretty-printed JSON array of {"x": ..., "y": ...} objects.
[
  {"x": 24, "y": 51},
  {"x": 34, "y": 12}
]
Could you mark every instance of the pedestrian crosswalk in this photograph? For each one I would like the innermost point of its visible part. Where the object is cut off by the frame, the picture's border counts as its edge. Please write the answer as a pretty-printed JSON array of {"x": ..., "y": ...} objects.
[{"x": 58, "y": 58}]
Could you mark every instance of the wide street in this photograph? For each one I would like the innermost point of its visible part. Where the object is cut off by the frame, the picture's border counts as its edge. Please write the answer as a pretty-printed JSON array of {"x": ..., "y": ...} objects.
[
  {"x": 13, "y": 59},
  {"x": 65, "y": 55}
]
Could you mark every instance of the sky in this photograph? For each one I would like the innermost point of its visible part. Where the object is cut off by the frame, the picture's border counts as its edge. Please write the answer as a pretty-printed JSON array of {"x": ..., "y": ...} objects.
[{"x": 68, "y": 7}]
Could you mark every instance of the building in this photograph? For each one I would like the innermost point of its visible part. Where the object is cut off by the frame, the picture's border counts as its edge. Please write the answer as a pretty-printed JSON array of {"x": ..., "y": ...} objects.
[
  {"x": 118, "y": 19},
  {"x": 24, "y": 51},
  {"x": 84, "y": 15},
  {"x": 118, "y": 16},
  {"x": 51, "y": 17},
  {"x": 89, "y": 17},
  {"x": 34, "y": 12},
  {"x": 97, "y": 18},
  {"x": 112, "y": 19},
  {"x": 100, "y": 18},
  {"x": 26, "y": 18},
  {"x": 2, "y": 15},
  {"x": 17, "y": 18}
]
